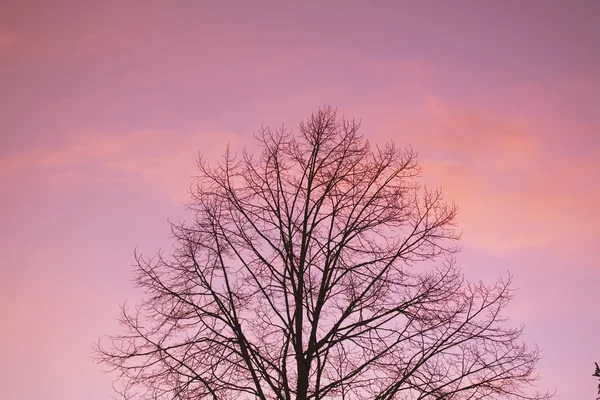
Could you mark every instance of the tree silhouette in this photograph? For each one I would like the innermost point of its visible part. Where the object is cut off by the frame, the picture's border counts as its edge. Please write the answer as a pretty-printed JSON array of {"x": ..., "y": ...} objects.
[
  {"x": 597, "y": 373},
  {"x": 320, "y": 269}
]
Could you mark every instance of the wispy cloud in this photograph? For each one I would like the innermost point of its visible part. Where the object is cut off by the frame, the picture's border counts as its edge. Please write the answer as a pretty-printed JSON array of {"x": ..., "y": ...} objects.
[
  {"x": 162, "y": 160},
  {"x": 513, "y": 194}
]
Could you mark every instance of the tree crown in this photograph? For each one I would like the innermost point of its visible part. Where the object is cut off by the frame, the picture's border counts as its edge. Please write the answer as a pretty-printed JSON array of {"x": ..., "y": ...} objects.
[{"x": 320, "y": 269}]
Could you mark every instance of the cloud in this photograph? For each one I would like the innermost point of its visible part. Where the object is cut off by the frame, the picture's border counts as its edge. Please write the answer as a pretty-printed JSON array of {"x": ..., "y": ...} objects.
[
  {"x": 162, "y": 160},
  {"x": 521, "y": 182},
  {"x": 513, "y": 192},
  {"x": 471, "y": 131}
]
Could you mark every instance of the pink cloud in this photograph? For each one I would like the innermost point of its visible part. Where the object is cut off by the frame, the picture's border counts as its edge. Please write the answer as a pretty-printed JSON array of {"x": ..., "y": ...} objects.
[
  {"x": 473, "y": 131},
  {"x": 520, "y": 181},
  {"x": 162, "y": 160},
  {"x": 513, "y": 194}
]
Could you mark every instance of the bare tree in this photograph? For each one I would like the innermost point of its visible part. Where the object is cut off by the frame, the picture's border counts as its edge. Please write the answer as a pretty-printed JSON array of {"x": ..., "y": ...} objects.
[
  {"x": 320, "y": 269},
  {"x": 597, "y": 374}
]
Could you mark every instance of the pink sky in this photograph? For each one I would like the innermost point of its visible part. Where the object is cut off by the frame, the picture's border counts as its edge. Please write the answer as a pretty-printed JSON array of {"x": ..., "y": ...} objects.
[{"x": 104, "y": 106}]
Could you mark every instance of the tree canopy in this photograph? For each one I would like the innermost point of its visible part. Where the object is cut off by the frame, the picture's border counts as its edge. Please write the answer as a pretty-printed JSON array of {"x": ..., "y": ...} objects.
[{"x": 319, "y": 268}]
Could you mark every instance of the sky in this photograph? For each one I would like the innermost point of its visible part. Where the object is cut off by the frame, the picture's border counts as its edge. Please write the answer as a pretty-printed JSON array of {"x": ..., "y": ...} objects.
[{"x": 105, "y": 106}]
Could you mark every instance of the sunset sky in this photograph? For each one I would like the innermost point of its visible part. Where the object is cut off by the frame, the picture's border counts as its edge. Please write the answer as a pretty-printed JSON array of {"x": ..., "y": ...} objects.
[{"x": 105, "y": 106}]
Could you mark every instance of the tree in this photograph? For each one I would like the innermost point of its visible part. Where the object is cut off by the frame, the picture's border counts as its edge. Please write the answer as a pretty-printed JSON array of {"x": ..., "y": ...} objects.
[
  {"x": 597, "y": 374},
  {"x": 320, "y": 269}
]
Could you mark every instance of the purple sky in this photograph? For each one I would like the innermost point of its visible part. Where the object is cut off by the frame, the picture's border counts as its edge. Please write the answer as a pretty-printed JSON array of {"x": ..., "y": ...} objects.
[{"x": 105, "y": 105}]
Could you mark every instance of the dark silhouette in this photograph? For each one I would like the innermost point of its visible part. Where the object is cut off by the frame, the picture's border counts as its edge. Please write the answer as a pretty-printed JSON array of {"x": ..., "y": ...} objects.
[
  {"x": 319, "y": 269},
  {"x": 597, "y": 373}
]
